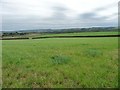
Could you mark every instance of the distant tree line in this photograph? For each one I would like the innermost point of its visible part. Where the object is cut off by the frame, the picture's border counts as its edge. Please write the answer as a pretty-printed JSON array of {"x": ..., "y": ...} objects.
[
  {"x": 72, "y": 30},
  {"x": 13, "y": 33}
]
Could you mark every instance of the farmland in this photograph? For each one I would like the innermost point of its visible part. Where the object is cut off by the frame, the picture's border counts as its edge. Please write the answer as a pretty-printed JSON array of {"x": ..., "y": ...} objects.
[
  {"x": 35, "y": 35},
  {"x": 60, "y": 63},
  {"x": 80, "y": 34}
]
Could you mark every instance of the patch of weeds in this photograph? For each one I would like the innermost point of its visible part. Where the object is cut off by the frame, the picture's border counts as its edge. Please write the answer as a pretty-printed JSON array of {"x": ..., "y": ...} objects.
[
  {"x": 60, "y": 59},
  {"x": 17, "y": 62},
  {"x": 84, "y": 44},
  {"x": 93, "y": 52}
]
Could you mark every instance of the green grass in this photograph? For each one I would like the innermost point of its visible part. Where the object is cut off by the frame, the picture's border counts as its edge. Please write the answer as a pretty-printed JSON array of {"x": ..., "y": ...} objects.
[
  {"x": 53, "y": 63},
  {"x": 0, "y": 64},
  {"x": 66, "y": 34},
  {"x": 78, "y": 34},
  {"x": 58, "y": 59}
]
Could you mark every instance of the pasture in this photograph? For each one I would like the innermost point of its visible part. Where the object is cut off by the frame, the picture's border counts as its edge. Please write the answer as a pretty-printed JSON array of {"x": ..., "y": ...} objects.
[
  {"x": 34, "y": 35},
  {"x": 60, "y": 63},
  {"x": 83, "y": 34}
]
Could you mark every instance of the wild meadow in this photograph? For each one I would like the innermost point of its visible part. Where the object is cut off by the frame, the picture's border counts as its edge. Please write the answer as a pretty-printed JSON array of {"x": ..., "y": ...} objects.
[{"x": 60, "y": 63}]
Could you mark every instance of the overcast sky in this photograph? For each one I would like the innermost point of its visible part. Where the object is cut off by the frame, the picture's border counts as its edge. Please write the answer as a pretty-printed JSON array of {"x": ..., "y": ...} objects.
[{"x": 45, "y": 14}]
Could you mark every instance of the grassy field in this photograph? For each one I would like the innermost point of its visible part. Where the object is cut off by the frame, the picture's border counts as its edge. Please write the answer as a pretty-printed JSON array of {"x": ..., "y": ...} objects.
[
  {"x": 73, "y": 34},
  {"x": 53, "y": 63},
  {"x": 0, "y": 64},
  {"x": 83, "y": 34},
  {"x": 64, "y": 34}
]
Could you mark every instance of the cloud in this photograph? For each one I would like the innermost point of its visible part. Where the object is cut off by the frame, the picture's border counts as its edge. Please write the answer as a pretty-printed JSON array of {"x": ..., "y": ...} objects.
[
  {"x": 95, "y": 17},
  {"x": 29, "y": 14},
  {"x": 91, "y": 17},
  {"x": 59, "y": 12},
  {"x": 106, "y": 7}
]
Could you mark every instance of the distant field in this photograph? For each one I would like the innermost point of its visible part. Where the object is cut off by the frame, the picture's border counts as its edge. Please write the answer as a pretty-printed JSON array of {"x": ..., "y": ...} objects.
[
  {"x": 74, "y": 62},
  {"x": 73, "y": 34},
  {"x": 83, "y": 34},
  {"x": 64, "y": 34}
]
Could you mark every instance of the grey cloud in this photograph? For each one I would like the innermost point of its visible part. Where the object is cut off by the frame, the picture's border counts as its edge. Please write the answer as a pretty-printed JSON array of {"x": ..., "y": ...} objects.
[
  {"x": 95, "y": 17},
  {"x": 88, "y": 15},
  {"x": 60, "y": 8},
  {"x": 102, "y": 8},
  {"x": 114, "y": 15},
  {"x": 59, "y": 12},
  {"x": 105, "y": 7},
  {"x": 12, "y": 21},
  {"x": 91, "y": 16}
]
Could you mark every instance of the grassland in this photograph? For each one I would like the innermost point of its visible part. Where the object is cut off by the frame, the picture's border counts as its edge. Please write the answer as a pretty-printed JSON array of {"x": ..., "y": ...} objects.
[
  {"x": 31, "y": 35},
  {"x": 83, "y": 34},
  {"x": 73, "y": 34},
  {"x": 53, "y": 63},
  {"x": 0, "y": 64}
]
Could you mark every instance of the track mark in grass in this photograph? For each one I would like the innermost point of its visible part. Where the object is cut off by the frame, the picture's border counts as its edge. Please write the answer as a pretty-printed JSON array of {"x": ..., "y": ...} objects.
[
  {"x": 60, "y": 59},
  {"x": 92, "y": 52}
]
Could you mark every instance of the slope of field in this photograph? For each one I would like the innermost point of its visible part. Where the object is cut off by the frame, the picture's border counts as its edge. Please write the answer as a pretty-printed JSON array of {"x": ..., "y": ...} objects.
[
  {"x": 83, "y": 34},
  {"x": 77, "y": 62},
  {"x": 31, "y": 35}
]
